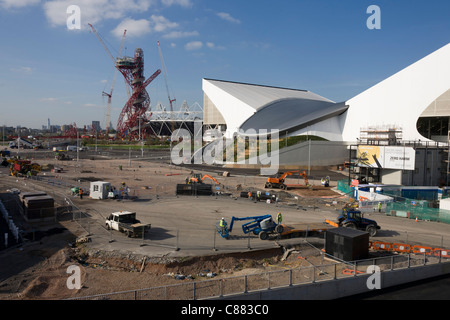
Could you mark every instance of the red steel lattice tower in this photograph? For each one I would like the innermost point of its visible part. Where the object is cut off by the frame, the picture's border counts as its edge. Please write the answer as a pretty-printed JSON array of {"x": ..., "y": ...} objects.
[{"x": 133, "y": 115}]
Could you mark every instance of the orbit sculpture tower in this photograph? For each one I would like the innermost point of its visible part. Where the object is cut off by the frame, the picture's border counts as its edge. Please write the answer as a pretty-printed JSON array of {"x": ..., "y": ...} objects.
[{"x": 133, "y": 116}]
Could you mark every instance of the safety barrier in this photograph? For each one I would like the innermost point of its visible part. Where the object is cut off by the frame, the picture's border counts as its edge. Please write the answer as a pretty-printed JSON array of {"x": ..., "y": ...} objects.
[
  {"x": 406, "y": 248},
  {"x": 279, "y": 279}
]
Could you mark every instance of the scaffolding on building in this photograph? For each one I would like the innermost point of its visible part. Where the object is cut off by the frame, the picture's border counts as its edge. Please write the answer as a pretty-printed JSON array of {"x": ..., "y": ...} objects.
[{"x": 381, "y": 135}]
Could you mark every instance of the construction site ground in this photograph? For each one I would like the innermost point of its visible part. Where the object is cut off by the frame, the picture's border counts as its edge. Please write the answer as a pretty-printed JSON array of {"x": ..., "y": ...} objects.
[{"x": 182, "y": 239}]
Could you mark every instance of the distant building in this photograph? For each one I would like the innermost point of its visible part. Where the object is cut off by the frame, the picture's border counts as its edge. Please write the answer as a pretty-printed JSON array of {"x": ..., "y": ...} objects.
[{"x": 96, "y": 126}]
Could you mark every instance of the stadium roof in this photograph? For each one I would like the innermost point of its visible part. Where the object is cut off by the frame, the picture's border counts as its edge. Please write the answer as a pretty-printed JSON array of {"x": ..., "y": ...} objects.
[
  {"x": 293, "y": 114},
  {"x": 258, "y": 96}
]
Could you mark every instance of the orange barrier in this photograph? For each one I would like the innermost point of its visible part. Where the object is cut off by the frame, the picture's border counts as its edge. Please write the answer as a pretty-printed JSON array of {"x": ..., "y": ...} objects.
[
  {"x": 421, "y": 249},
  {"x": 401, "y": 247},
  {"x": 350, "y": 272},
  {"x": 441, "y": 252},
  {"x": 406, "y": 248},
  {"x": 380, "y": 245}
]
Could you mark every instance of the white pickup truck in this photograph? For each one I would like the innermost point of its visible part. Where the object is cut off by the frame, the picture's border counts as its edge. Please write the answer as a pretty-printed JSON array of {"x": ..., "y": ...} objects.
[{"x": 125, "y": 221}]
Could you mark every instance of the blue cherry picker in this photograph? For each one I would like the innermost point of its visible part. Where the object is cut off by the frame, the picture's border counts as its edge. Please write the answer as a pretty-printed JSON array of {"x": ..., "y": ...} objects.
[{"x": 259, "y": 225}]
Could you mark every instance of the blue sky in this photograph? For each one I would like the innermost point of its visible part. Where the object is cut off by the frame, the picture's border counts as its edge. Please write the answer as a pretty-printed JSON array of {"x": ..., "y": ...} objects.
[{"x": 49, "y": 71}]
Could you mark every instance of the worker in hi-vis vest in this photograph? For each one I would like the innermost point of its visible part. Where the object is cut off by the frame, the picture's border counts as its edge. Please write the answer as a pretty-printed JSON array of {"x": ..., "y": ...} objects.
[
  {"x": 222, "y": 224},
  {"x": 279, "y": 218}
]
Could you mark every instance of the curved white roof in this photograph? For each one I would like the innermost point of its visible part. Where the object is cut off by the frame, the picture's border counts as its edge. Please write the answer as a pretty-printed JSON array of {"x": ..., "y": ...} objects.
[
  {"x": 293, "y": 114},
  {"x": 237, "y": 102},
  {"x": 422, "y": 89},
  {"x": 258, "y": 96}
]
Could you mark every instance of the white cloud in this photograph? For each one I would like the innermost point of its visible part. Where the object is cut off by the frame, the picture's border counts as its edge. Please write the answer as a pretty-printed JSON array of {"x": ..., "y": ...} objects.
[
  {"x": 227, "y": 17},
  {"x": 49, "y": 99},
  {"x": 143, "y": 26},
  {"x": 213, "y": 46},
  {"x": 22, "y": 70},
  {"x": 180, "y": 34},
  {"x": 193, "y": 45},
  {"x": 182, "y": 3},
  {"x": 135, "y": 28},
  {"x": 161, "y": 24},
  {"x": 93, "y": 11},
  {"x": 17, "y": 3}
]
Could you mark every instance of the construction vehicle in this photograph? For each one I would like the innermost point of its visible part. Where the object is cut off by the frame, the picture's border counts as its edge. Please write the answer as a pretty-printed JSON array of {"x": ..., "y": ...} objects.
[
  {"x": 126, "y": 222},
  {"x": 199, "y": 178},
  {"x": 259, "y": 225},
  {"x": 195, "y": 185},
  {"x": 62, "y": 155},
  {"x": 23, "y": 167},
  {"x": 5, "y": 153},
  {"x": 279, "y": 180},
  {"x": 22, "y": 143},
  {"x": 354, "y": 219}
]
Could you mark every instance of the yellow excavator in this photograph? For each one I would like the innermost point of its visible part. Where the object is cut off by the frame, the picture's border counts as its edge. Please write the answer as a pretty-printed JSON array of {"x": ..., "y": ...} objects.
[{"x": 23, "y": 167}]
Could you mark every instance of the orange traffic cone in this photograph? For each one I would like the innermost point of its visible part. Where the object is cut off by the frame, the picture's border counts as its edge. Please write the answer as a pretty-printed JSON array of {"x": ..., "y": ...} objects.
[{"x": 417, "y": 220}]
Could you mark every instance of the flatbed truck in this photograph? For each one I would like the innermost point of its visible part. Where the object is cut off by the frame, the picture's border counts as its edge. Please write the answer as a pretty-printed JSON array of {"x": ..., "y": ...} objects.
[{"x": 126, "y": 222}]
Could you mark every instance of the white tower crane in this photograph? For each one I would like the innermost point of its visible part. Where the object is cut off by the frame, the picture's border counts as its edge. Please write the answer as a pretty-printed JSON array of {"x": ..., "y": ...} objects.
[
  {"x": 109, "y": 95},
  {"x": 165, "y": 78}
]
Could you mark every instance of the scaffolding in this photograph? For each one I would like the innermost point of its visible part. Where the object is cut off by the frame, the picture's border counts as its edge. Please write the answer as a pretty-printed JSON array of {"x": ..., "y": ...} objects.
[{"x": 381, "y": 135}]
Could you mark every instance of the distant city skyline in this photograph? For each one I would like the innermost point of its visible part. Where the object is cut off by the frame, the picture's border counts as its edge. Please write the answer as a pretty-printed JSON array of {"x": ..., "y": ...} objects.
[{"x": 50, "y": 71}]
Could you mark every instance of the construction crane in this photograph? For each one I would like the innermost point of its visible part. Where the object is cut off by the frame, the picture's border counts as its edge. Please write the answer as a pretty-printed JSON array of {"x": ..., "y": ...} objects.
[
  {"x": 72, "y": 131},
  {"x": 171, "y": 101},
  {"x": 109, "y": 95},
  {"x": 102, "y": 43}
]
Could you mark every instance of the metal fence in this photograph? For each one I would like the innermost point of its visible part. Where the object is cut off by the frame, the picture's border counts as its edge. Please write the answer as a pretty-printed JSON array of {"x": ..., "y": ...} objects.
[{"x": 222, "y": 287}]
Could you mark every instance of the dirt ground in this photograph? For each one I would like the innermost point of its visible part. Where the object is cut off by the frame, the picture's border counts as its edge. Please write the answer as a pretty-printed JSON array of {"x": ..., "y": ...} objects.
[
  {"x": 38, "y": 270},
  {"x": 106, "y": 274}
]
